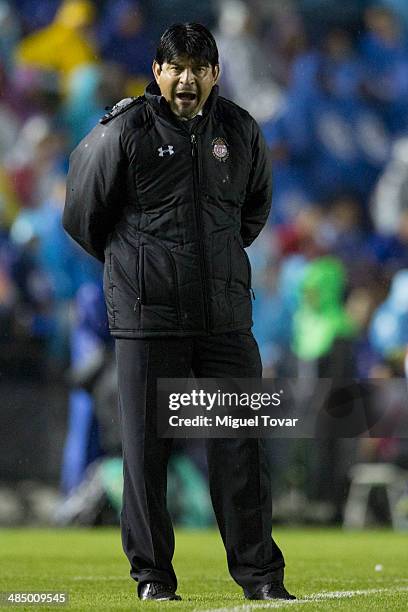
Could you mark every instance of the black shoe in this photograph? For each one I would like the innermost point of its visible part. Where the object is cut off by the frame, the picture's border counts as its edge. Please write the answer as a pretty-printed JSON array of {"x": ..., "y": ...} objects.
[
  {"x": 272, "y": 590},
  {"x": 158, "y": 591}
]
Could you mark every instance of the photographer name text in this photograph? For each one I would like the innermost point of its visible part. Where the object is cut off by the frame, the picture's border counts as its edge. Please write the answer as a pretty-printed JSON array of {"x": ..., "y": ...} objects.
[{"x": 231, "y": 422}]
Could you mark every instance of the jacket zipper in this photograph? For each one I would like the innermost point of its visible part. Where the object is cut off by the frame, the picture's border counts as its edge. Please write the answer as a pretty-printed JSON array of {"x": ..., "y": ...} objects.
[{"x": 196, "y": 182}]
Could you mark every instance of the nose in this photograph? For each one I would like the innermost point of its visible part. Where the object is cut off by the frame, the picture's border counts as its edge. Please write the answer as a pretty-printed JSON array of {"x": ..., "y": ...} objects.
[{"x": 187, "y": 76}]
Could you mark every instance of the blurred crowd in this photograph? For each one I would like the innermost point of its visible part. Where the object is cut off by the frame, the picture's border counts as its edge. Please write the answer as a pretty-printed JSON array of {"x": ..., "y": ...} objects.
[{"x": 328, "y": 82}]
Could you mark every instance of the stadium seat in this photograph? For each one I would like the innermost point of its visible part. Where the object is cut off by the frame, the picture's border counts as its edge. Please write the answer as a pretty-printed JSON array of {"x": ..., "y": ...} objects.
[{"x": 364, "y": 477}]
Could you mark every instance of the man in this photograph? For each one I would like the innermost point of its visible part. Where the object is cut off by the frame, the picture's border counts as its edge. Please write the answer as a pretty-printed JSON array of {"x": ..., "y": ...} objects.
[{"x": 168, "y": 190}]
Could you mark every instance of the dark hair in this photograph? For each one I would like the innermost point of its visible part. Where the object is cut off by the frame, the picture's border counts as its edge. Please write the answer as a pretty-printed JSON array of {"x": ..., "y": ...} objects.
[{"x": 191, "y": 39}]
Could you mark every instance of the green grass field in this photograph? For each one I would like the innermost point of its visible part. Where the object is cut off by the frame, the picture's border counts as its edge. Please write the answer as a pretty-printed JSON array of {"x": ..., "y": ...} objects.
[{"x": 327, "y": 569}]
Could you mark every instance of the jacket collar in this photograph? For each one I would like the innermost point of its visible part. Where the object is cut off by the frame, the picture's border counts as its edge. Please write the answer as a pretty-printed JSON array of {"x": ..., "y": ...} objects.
[{"x": 161, "y": 107}]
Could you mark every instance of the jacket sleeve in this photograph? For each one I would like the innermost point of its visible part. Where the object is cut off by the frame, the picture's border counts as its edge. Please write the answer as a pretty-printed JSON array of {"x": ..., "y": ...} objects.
[
  {"x": 257, "y": 203},
  {"x": 93, "y": 200}
]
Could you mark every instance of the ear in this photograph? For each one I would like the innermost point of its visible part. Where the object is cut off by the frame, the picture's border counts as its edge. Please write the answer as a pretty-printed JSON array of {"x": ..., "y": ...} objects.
[
  {"x": 156, "y": 70},
  {"x": 216, "y": 73}
]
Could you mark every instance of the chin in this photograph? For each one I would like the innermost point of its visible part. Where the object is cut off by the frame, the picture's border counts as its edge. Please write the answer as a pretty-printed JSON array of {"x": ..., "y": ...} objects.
[{"x": 187, "y": 112}]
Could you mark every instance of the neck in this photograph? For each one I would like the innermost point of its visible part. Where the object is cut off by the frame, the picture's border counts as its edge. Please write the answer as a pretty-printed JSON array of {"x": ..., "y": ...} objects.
[{"x": 200, "y": 112}]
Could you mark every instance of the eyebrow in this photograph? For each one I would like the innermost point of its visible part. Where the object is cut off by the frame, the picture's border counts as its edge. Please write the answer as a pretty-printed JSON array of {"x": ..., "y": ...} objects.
[{"x": 198, "y": 65}]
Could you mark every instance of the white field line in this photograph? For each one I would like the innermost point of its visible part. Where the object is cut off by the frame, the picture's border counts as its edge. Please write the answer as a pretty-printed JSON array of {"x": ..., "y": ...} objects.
[
  {"x": 101, "y": 578},
  {"x": 313, "y": 598}
]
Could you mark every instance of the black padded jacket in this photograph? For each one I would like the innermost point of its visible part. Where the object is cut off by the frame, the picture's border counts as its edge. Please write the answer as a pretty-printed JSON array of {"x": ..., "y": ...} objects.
[{"x": 170, "y": 209}]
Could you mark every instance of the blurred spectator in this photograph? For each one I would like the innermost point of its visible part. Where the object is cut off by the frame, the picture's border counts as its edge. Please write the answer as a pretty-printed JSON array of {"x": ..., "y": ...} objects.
[
  {"x": 321, "y": 15},
  {"x": 161, "y": 13},
  {"x": 9, "y": 203},
  {"x": 389, "y": 210},
  {"x": 47, "y": 49},
  {"x": 284, "y": 40},
  {"x": 273, "y": 311},
  {"x": 327, "y": 139},
  {"x": 64, "y": 267},
  {"x": 344, "y": 230},
  {"x": 303, "y": 234},
  {"x": 9, "y": 35},
  {"x": 390, "y": 197},
  {"x": 291, "y": 192},
  {"x": 245, "y": 73},
  {"x": 361, "y": 304},
  {"x": 400, "y": 9},
  {"x": 30, "y": 91},
  {"x": 35, "y": 160},
  {"x": 90, "y": 89},
  {"x": 321, "y": 322},
  {"x": 124, "y": 38},
  {"x": 9, "y": 126},
  {"x": 389, "y": 326},
  {"x": 36, "y": 15},
  {"x": 89, "y": 337},
  {"x": 323, "y": 343},
  {"x": 384, "y": 53}
]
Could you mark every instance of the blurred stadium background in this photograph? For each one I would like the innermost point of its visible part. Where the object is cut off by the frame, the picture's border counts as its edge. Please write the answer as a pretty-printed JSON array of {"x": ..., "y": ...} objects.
[{"x": 328, "y": 82}]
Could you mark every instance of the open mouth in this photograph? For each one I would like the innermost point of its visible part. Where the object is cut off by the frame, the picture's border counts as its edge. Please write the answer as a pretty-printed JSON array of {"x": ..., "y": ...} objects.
[{"x": 186, "y": 96}]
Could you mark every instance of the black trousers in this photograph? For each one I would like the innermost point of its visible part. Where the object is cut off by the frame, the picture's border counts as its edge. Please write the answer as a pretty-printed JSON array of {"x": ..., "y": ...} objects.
[{"x": 238, "y": 472}]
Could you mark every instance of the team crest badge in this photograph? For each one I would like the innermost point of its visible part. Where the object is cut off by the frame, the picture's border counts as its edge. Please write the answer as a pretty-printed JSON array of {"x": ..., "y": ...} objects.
[{"x": 220, "y": 149}]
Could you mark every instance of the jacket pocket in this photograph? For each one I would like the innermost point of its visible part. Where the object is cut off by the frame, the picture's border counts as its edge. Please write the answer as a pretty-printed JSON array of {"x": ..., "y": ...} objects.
[
  {"x": 240, "y": 284},
  {"x": 248, "y": 263},
  {"x": 158, "y": 277},
  {"x": 220, "y": 273},
  {"x": 125, "y": 293},
  {"x": 108, "y": 287},
  {"x": 122, "y": 291},
  {"x": 243, "y": 257}
]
